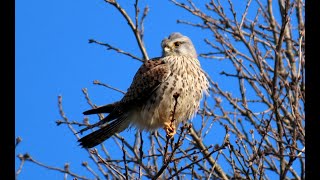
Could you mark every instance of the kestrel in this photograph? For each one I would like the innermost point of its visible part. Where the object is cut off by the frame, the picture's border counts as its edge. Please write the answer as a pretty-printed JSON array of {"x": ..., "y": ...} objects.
[{"x": 164, "y": 92}]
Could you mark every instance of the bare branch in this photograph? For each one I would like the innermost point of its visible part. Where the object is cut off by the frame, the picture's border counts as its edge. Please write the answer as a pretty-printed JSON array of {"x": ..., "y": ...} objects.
[
  {"x": 109, "y": 47},
  {"x": 132, "y": 26}
]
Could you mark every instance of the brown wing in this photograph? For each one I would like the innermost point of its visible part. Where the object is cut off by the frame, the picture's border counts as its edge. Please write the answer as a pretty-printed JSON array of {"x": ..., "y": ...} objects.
[{"x": 147, "y": 79}]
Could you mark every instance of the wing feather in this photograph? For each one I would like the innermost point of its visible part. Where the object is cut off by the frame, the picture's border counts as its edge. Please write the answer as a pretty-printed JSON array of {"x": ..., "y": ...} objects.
[{"x": 147, "y": 79}]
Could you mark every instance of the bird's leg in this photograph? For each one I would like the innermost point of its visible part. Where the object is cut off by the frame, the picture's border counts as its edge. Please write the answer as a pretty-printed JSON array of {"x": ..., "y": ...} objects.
[{"x": 170, "y": 126}]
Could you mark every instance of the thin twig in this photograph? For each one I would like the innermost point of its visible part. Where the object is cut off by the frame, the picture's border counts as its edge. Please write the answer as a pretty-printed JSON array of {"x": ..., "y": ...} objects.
[
  {"x": 97, "y": 82},
  {"x": 110, "y": 47},
  {"x": 132, "y": 26}
]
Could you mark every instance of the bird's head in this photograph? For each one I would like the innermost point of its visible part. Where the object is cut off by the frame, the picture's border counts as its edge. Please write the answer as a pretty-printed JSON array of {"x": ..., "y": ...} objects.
[{"x": 178, "y": 45}]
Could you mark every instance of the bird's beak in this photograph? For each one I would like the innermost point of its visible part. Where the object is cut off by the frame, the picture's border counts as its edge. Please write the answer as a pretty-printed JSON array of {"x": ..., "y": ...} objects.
[{"x": 167, "y": 49}]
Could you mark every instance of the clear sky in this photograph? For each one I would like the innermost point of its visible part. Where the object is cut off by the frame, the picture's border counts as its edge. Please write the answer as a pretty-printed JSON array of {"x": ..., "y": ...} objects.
[{"x": 53, "y": 57}]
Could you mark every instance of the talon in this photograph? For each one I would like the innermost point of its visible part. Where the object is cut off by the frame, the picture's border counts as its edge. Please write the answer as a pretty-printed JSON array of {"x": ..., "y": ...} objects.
[{"x": 170, "y": 129}]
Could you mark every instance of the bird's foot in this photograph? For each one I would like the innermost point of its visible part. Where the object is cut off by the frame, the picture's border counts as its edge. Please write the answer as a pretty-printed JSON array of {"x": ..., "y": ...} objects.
[{"x": 170, "y": 129}]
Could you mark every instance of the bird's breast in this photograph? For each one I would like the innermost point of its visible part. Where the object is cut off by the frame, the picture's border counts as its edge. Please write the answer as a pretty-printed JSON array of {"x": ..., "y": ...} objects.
[{"x": 177, "y": 98}]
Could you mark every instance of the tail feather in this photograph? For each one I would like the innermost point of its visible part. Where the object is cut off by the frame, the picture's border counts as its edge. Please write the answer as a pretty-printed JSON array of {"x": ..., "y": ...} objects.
[
  {"x": 102, "y": 109},
  {"x": 104, "y": 133}
]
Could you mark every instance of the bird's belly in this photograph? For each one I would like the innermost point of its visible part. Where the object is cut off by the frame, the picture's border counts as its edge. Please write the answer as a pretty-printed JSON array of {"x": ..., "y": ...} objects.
[{"x": 177, "y": 100}]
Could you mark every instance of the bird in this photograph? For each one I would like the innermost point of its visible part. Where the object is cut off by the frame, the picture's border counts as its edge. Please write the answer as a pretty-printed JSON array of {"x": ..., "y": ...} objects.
[{"x": 164, "y": 92}]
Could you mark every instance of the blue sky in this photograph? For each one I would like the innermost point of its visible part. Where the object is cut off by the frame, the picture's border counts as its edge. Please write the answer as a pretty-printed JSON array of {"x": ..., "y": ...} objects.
[{"x": 53, "y": 57}]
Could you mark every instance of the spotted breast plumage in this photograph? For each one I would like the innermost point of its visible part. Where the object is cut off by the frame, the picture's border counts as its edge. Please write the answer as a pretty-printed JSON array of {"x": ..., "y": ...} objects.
[{"x": 164, "y": 92}]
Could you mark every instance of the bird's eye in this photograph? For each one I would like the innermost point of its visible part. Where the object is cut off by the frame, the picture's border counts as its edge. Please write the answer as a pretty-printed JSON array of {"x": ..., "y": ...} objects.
[{"x": 177, "y": 44}]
